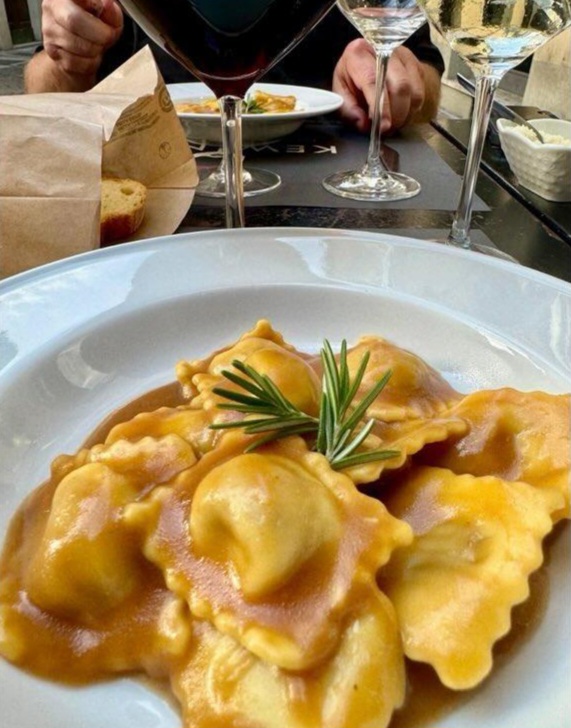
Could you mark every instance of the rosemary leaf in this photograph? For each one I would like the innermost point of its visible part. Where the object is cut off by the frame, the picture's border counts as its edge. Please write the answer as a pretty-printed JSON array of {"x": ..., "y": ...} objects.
[
  {"x": 360, "y": 458},
  {"x": 324, "y": 424},
  {"x": 263, "y": 424},
  {"x": 280, "y": 434},
  {"x": 244, "y": 384},
  {"x": 251, "y": 106},
  {"x": 338, "y": 430},
  {"x": 249, "y": 372},
  {"x": 354, "y": 388},
  {"x": 240, "y": 398},
  {"x": 361, "y": 409},
  {"x": 271, "y": 424},
  {"x": 343, "y": 450}
]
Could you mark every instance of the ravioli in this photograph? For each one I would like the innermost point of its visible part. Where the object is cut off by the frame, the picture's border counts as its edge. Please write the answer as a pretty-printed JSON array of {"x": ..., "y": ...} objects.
[
  {"x": 86, "y": 563},
  {"x": 404, "y": 438},
  {"x": 514, "y": 435},
  {"x": 106, "y": 609},
  {"x": 476, "y": 541},
  {"x": 266, "y": 351},
  {"x": 191, "y": 425},
  {"x": 414, "y": 389},
  {"x": 250, "y": 577},
  {"x": 263, "y": 583},
  {"x": 220, "y": 682},
  {"x": 257, "y": 102}
]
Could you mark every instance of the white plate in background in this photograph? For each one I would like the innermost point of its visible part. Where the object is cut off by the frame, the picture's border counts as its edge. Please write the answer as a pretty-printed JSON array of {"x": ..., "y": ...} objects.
[
  {"x": 82, "y": 336},
  {"x": 256, "y": 128}
]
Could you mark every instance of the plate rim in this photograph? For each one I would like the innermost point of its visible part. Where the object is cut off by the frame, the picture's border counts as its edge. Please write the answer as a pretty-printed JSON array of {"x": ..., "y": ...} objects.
[
  {"x": 394, "y": 251},
  {"x": 169, "y": 244},
  {"x": 120, "y": 249}
]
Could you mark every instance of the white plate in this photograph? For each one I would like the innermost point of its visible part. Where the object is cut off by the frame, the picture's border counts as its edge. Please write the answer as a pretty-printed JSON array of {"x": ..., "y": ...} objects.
[
  {"x": 82, "y": 336},
  {"x": 256, "y": 128}
]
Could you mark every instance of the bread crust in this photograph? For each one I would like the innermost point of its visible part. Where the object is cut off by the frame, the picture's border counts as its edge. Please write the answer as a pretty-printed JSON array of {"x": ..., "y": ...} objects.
[{"x": 123, "y": 202}]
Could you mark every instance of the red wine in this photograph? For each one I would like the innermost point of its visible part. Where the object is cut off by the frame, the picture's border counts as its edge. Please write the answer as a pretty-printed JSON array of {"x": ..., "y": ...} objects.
[{"x": 228, "y": 44}]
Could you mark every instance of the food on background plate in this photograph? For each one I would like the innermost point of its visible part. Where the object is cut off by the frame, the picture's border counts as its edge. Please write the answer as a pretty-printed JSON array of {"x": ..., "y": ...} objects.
[
  {"x": 123, "y": 203},
  {"x": 261, "y": 102},
  {"x": 257, "y": 102},
  {"x": 201, "y": 106},
  {"x": 278, "y": 541}
]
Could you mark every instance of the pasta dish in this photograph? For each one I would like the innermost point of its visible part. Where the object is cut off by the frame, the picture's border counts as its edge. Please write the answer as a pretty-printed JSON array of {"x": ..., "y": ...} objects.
[
  {"x": 283, "y": 542},
  {"x": 257, "y": 102}
]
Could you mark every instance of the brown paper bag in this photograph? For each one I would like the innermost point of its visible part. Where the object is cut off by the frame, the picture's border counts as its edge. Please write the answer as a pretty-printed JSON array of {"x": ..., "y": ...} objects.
[{"x": 55, "y": 147}]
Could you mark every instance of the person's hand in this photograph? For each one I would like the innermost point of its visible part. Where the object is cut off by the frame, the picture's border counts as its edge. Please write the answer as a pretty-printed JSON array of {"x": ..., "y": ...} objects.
[
  {"x": 354, "y": 80},
  {"x": 76, "y": 33}
]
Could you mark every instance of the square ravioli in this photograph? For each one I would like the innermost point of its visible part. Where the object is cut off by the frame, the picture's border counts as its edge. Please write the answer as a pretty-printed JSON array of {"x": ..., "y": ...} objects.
[
  {"x": 514, "y": 435},
  {"x": 476, "y": 541},
  {"x": 278, "y": 577}
]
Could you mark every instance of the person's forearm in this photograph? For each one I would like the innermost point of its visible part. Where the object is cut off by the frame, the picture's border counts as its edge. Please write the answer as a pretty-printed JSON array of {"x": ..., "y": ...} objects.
[
  {"x": 43, "y": 74},
  {"x": 432, "y": 84}
]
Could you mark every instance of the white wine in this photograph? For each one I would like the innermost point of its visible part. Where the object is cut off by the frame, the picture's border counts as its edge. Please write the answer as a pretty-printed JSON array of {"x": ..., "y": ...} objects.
[
  {"x": 495, "y": 35},
  {"x": 384, "y": 23}
]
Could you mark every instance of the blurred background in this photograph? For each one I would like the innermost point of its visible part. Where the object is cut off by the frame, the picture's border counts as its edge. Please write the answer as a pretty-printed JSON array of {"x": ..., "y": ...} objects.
[{"x": 542, "y": 81}]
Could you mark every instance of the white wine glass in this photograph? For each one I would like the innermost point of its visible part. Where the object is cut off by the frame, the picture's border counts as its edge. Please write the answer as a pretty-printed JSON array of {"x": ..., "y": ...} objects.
[
  {"x": 385, "y": 24},
  {"x": 492, "y": 37},
  {"x": 229, "y": 46}
]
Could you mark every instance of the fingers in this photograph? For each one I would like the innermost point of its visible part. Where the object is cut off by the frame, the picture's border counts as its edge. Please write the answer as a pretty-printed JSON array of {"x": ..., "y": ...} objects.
[
  {"x": 354, "y": 80},
  {"x": 76, "y": 33},
  {"x": 351, "y": 80},
  {"x": 67, "y": 19},
  {"x": 405, "y": 87}
]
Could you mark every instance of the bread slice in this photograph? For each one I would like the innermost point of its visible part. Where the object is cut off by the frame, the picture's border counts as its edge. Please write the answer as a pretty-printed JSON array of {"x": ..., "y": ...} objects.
[{"x": 122, "y": 207}]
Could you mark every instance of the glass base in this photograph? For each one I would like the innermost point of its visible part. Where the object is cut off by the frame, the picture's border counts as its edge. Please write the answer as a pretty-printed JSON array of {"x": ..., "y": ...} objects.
[
  {"x": 459, "y": 237},
  {"x": 256, "y": 182},
  {"x": 481, "y": 248},
  {"x": 386, "y": 187}
]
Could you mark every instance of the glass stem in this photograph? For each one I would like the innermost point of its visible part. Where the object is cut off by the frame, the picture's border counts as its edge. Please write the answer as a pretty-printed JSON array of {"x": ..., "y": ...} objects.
[
  {"x": 231, "y": 116},
  {"x": 374, "y": 166},
  {"x": 485, "y": 88}
]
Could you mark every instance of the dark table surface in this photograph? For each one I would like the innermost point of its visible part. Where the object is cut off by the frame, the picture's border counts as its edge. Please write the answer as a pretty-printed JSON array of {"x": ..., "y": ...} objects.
[
  {"x": 535, "y": 232},
  {"x": 555, "y": 215}
]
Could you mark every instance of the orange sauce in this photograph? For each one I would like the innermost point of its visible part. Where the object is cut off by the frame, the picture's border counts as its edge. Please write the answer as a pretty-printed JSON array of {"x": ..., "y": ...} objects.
[
  {"x": 169, "y": 395},
  {"x": 427, "y": 700},
  {"x": 56, "y": 647}
]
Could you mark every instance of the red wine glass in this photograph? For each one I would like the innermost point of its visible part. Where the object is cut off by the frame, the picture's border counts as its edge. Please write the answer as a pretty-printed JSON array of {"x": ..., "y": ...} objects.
[{"x": 228, "y": 45}]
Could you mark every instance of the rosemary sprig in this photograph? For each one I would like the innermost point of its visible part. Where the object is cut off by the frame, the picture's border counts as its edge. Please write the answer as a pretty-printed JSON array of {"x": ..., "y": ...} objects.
[
  {"x": 339, "y": 434},
  {"x": 251, "y": 106},
  {"x": 278, "y": 416},
  {"x": 339, "y": 430}
]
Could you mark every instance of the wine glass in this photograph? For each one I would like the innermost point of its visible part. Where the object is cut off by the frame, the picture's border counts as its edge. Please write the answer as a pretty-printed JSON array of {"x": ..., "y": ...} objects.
[
  {"x": 228, "y": 44},
  {"x": 492, "y": 37},
  {"x": 254, "y": 182},
  {"x": 213, "y": 183},
  {"x": 385, "y": 24}
]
